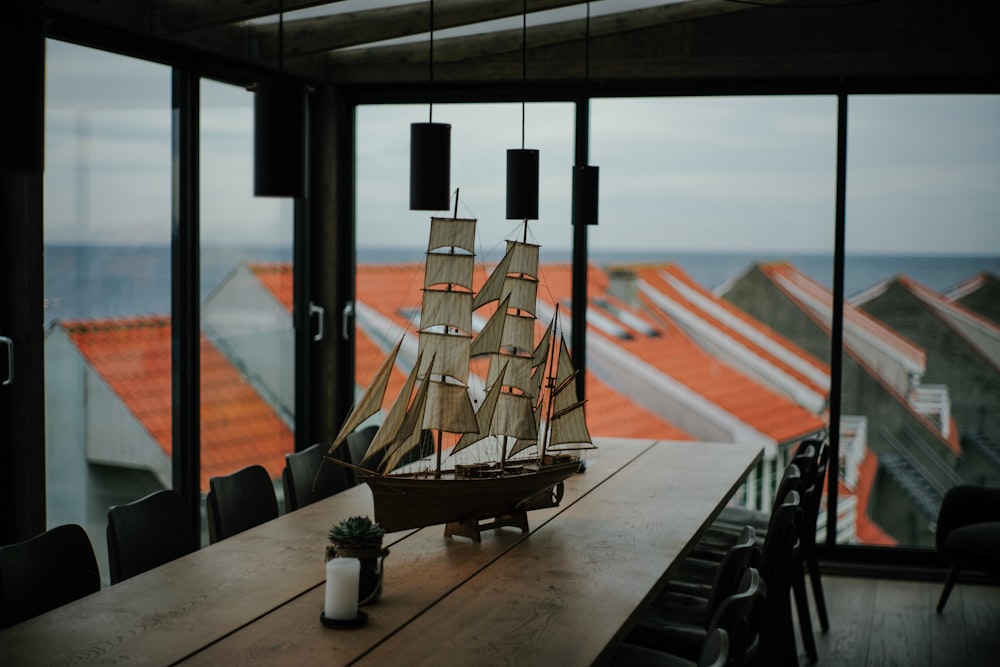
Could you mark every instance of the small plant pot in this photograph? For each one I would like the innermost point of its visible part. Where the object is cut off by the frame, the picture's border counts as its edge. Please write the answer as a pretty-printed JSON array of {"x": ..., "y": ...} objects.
[{"x": 372, "y": 569}]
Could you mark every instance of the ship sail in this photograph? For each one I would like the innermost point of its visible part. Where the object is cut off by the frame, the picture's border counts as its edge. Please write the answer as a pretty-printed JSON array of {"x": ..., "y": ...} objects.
[
  {"x": 484, "y": 417},
  {"x": 567, "y": 425},
  {"x": 389, "y": 430},
  {"x": 371, "y": 399},
  {"x": 409, "y": 433}
]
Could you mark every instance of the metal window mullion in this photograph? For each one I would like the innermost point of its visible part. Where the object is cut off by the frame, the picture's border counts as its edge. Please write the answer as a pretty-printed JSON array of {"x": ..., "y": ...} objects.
[
  {"x": 185, "y": 278},
  {"x": 578, "y": 298},
  {"x": 837, "y": 325}
]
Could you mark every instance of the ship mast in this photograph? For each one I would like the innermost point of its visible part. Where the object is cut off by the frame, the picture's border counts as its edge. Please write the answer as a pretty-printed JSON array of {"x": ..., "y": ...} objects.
[{"x": 549, "y": 368}]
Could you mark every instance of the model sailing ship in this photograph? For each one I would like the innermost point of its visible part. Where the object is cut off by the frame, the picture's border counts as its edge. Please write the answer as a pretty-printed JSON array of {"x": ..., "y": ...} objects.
[{"x": 530, "y": 409}]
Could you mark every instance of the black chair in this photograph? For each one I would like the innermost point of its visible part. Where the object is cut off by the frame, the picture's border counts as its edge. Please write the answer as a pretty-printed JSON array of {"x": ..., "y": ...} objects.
[
  {"x": 779, "y": 561},
  {"x": 45, "y": 572},
  {"x": 147, "y": 533},
  {"x": 307, "y": 478},
  {"x": 811, "y": 459},
  {"x": 240, "y": 501},
  {"x": 968, "y": 532},
  {"x": 771, "y": 632},
  {"x": 813, "y": 497}
]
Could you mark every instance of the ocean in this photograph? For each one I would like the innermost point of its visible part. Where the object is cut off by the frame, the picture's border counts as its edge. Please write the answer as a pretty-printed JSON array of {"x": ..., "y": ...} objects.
[{"x": 96, "y": 281}]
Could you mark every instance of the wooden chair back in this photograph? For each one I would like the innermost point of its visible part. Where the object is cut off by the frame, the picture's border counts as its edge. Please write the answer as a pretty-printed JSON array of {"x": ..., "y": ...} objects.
[
  {"x": 45, "y": 572},
  {"x": 715, "y": 651},
  {"x": 240, "y": 501},
  {"x": 307, "y": 478},
  {"x": 731, "y": 571},
  {"x": 734, "y": 614},
  {"x": 147, "y": 533},
  {"x": 778, "y": 559}
]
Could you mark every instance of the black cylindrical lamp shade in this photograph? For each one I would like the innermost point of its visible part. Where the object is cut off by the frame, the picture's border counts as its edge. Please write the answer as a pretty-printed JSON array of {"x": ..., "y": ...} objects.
[
  {"x": 585, "y": 182},
  {"x": 279, "y": 139},
  {"x": 430, "y": 166},
  {"x": 522, "y": 184}
]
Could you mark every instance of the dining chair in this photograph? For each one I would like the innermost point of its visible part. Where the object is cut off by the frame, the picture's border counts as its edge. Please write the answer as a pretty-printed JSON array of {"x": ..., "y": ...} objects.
[
  {"x": 813, "y": 498},
  {"x": 811, "y": 459},
  {"x": 968, "y": 533},
  {"x": 307, "y": 478},
  {"x": 147, "y": 533},
  {"x": 45, "y": 572},
  {"x": 240, "y": 501},
  {"x": 781, "y": 569},
  {"x": 779, "y": 560}
]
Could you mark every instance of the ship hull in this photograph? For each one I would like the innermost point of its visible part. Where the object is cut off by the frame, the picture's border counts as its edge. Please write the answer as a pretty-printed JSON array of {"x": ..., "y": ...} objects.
[{"x": 407, "y": 501}]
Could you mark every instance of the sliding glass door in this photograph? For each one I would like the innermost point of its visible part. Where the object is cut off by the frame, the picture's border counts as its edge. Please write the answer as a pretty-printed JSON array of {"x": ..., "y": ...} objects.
[{"x": 107, "y": 284}]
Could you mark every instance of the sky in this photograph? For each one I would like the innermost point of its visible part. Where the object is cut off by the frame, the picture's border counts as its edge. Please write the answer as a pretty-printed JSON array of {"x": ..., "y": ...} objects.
[{"x": 677, "y": 174}]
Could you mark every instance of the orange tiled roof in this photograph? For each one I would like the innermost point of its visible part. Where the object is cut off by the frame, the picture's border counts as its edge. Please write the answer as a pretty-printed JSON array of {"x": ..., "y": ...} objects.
[
  {"x": 952, "y": 314},
  {"x": 676, "y": 355},
  {"x": 277, "y": 278},
  {"x": 969, "y": 285},
  {"x": 133, "y": 356},
  {"x": 867, "y": 530},
  {"x": 654, "y": 276},
  {"x": 810, "y": 294}
]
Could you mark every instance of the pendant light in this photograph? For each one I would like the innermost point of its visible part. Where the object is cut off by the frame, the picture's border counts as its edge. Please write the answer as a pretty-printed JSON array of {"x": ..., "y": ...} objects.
[
  {"x": 585, "y": 177},
  {"x": 522, "y": 163},
  {"x": 430, "y": 152},
  {"x": 279, "y": 131}
]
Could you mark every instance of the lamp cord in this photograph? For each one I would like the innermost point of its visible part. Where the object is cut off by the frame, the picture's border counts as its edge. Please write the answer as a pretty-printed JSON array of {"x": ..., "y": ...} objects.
[
  {"x": 524, "y": 64},
  {"x": 586, "y": 54},
  {"x": 430, "y": 67},
  {"x": 281, "y": 37}
]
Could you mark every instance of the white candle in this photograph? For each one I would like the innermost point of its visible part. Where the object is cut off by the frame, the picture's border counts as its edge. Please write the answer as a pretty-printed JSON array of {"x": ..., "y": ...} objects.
[{"x": 342, "y": 575}]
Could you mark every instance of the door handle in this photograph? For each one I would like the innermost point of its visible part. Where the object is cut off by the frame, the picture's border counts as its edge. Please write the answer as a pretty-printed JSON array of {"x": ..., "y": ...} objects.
[
  {"x": 10, "y": 361},
  {"x": 321, "y": 313},
  {"x": 345, "y": 320}
]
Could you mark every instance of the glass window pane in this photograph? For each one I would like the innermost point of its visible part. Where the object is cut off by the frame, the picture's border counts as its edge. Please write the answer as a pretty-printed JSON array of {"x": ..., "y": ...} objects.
[
  {"x": 708, "y": 206},
  {"x": 248, "y": 346},
  {"x": 107, "y": 285},
  {"x": 921, "y": 327}
]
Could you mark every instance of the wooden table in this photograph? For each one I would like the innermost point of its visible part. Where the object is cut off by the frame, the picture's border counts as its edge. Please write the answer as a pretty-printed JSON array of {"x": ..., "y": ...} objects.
[{"x": 564, "y": 593}]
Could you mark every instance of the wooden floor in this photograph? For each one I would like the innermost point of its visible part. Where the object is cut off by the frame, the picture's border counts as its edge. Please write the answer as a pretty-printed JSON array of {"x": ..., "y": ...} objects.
[{"x": 876, "y": 622}]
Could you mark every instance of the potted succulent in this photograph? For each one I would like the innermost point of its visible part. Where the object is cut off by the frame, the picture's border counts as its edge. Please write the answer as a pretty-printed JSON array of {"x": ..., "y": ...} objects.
[{"x": 359, "y": 537}]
